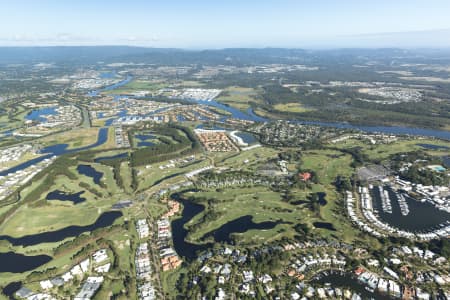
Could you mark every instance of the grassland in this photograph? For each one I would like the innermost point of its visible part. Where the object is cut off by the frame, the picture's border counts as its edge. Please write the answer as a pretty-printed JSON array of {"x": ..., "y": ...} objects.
[
  {"x": 291, "y": 107},
  {"x": 238, "y": 97}
]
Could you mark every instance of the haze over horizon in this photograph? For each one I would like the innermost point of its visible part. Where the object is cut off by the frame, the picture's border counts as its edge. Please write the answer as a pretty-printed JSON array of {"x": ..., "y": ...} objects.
[{"x": 204, "y": 24}]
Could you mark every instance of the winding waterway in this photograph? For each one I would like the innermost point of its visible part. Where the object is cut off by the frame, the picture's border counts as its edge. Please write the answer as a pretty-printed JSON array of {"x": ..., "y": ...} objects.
[
  {"x": 57, "y": 150},
  {"x": 251, "y": 116},
  {"x": 179, "y": 233}
]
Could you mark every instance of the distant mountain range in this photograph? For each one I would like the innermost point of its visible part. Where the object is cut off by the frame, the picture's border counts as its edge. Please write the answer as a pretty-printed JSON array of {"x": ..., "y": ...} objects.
[{"x": 169, "y": 56}]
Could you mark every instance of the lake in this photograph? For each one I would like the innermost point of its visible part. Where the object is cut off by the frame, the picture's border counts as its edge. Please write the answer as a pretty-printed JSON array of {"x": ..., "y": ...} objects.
[
  {"x": 179, "y": 233},
  {"x": 40, "y": 114},
  {"x": 324, "y": 225},
  {"x": 247, "y": 138},
  {"x": 104, "y": 220},
  {"x": 224, "y": 233}
]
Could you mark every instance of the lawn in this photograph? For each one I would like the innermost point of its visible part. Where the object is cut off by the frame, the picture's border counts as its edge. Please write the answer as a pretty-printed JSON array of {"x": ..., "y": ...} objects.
[
  {"x": 125, "y": 173},
  {"x": 259, "y": 202},
  {"x": 327, "y": 164},
  {"x": 383, "y": 151},
  {"x": 55, "y": 214},
  {"x": 147, "y": 177}
]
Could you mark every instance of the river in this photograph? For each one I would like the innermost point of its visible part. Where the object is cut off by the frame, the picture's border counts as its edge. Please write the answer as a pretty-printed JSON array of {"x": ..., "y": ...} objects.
[{"x": 251, "y": 116}]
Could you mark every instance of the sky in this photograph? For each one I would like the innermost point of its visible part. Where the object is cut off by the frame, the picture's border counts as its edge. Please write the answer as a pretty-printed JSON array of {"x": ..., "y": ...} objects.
[{"x": 200, "y": 24}]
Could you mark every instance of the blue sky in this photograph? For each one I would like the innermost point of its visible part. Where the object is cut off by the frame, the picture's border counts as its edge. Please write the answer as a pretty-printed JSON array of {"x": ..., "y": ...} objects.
[{"x": 227, "y": 23}]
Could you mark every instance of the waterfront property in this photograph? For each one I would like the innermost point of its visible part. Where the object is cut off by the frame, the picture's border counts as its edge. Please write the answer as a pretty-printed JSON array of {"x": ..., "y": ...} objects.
[{"x": 215, "y": 140}]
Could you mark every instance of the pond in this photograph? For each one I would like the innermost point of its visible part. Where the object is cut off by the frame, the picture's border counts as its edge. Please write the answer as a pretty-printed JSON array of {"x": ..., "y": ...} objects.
[
  {"x": 322, "y": 200},
  {"x": 143, "y": 140},
  {"x": 63, "y": 196},
  {"x": 108, "y": 75},
  {"x": 324, "y": 225},
  {"x": 18, "y": 263},
  {"x": 338, "y": 279},
  {"x": 11, "y": 288},
  {"x": 112, "y": 157},
  {"x": 247, "y": 138},
  {"x": 105, "y": 220},
  {"x": 89, "y": 171}
]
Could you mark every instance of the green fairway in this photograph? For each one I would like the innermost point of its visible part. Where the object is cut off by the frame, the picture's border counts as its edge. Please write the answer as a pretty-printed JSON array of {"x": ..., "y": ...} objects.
[
  {"x": 327, "y": 164},
  {"x": 383, "y": 151}
]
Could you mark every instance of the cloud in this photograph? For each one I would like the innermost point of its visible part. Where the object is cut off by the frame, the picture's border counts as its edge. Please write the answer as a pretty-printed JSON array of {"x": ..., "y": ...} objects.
[
  {"x": 68, "y": 39},
  {"x": 439, "y": 38}
]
